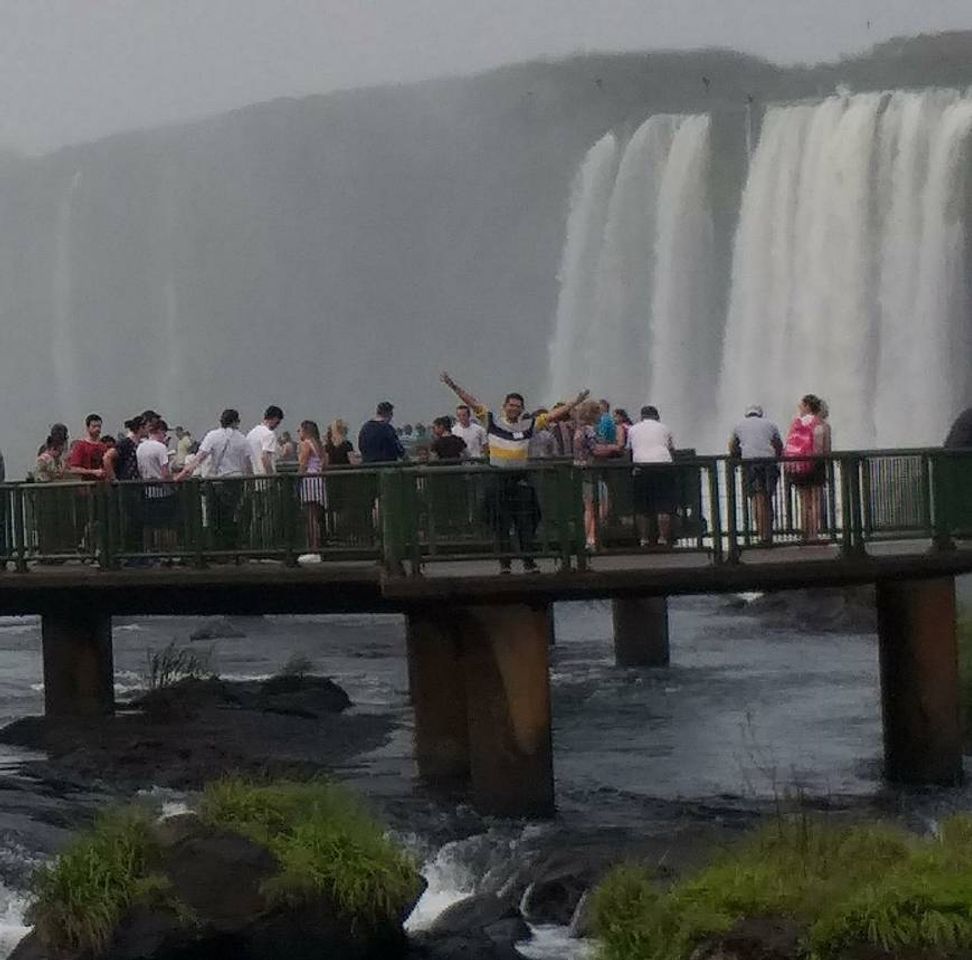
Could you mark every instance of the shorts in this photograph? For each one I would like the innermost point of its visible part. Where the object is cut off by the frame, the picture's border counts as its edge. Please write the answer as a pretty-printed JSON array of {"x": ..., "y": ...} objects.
[
  {"x": 655, "y": 489},
  {"x": 760, "y": 478},
  {"x": 816, "y": 477}
]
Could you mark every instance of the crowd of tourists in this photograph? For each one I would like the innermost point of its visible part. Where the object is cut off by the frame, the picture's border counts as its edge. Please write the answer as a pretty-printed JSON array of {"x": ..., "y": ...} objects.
[{"x": 588, "y": 432}]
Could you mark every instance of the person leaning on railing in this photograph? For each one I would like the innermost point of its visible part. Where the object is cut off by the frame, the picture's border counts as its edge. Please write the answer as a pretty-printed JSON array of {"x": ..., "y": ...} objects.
[
  {"x": 224, "y": 456},
  {"x": 511, "y": 503}
]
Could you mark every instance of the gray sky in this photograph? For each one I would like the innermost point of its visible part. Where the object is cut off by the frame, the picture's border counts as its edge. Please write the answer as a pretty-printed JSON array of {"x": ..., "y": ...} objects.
[{"x": 76, "y": 69}]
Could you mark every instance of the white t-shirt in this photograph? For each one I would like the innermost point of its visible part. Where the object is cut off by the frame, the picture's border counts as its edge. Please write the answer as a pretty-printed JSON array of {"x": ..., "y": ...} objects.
[
  {"x": 262, "y": 440},
  {"x": 228, "y": 453},
  {"x": 649, "y": 442},
  {"x": 153, "y": 458},
  {"x": 475, "y": 437}
]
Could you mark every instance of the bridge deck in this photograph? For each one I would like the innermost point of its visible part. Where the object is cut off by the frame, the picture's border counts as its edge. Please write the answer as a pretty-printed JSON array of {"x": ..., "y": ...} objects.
[{"x": 360, "y": 586}]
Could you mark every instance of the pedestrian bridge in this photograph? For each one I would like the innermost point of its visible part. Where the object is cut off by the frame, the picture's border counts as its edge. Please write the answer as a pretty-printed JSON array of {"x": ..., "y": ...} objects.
[{"x": 416, "y": 539}]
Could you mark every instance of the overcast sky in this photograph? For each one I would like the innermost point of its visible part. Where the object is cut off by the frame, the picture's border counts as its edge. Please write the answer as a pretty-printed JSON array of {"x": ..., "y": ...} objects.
[{"x": 76, "y": 69}]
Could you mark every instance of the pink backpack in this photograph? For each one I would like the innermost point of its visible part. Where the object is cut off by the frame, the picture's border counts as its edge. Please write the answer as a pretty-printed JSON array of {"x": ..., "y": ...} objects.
[{"x": 799, "y": 443}]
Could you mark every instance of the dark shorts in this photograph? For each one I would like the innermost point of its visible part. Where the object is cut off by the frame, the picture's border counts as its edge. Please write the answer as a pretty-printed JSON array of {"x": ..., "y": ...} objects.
[
  {"x": 760, "y": 478},
  {"x": 159, "y": 512},
  {"x": 655, "y": 489},
  {"x": 816, "y": 477}
]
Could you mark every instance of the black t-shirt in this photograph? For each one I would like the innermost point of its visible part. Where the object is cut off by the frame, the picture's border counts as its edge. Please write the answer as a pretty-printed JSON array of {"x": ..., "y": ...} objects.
[
  {"x": 338, "y": 454},
  {"x": 449, "y": 447},
  {"x": 126, "y": 466}
]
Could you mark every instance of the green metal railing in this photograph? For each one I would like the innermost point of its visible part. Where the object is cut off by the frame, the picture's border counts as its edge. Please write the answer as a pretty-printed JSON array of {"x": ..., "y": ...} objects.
[{"x": 410, "y": 516}]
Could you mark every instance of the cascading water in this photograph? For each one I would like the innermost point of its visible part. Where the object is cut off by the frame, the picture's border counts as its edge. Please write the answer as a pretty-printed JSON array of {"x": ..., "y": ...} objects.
[
  {"x": 636, "y": 284},
  {"x": 849, "y": 263},
  {"x": 578, "y": 273}
]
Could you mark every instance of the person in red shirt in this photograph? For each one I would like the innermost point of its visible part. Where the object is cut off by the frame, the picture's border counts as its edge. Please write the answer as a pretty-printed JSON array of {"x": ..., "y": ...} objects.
[{"x": 85, "y": 459}]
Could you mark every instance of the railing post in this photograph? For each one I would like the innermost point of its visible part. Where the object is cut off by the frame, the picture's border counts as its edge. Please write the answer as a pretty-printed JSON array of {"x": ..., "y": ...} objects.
[
  {"x": 731, "y": 510},
  {"x": 197, "y": 532},
  {"x": 286, "y": 496},
  {"x": 562, "y": 493},
  {"x": 390, "y": 507},
  {"x": 942, "y": 491},
  {"x": 715, "y": 511},
  {"x": 577, "y": 500},
  {"x": 19, "y": 531},
  {"x": 102, "y": 508}
]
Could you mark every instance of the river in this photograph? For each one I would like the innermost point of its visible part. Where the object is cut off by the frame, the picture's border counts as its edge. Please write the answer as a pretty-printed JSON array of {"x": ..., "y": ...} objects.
[{"x": 746, "y": 715}]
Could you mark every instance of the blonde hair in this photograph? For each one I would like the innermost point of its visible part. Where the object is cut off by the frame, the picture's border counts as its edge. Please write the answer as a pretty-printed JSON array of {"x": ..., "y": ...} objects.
[
  {"x": 337, "y": 432},
  {"x": 589, "y": 413}
]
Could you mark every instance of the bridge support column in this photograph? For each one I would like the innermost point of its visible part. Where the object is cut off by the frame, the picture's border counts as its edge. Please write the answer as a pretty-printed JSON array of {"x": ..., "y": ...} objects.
[
  {"x": 438, "y": 692},
  {"x": 505, "y": 659},
  {"x": 79, "y": 671},
  {"x": 641, "y": 631},
  {"x": 919, "y": 680}
]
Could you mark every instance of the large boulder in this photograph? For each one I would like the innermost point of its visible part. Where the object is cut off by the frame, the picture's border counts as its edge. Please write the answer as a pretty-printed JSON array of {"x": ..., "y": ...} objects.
[
  {"x": 218, "y": 878},
  {"x": 480, "y": 927}
]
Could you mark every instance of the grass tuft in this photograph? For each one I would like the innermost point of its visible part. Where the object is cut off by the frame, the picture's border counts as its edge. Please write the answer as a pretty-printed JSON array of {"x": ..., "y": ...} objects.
[
  {"x": 847, "y": 887},
  {"x": 325, "y": 843},
  {"x": 172, "y": 664},
  {"x": 79, "y": 898}
]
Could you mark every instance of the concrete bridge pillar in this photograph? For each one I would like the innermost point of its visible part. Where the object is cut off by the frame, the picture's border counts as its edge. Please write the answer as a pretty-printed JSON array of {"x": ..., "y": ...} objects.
[
  {"x": 480, "y": 688},
  {"x": 919, "y": 680},
  {"x": 79, "y": 670},
  {"x": 641, "y": 631},
  {"x": 438, "y": 694}
]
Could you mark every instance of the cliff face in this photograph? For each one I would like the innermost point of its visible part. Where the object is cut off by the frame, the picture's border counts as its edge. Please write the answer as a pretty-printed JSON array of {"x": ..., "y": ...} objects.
[{"x": 329, "y": 252}]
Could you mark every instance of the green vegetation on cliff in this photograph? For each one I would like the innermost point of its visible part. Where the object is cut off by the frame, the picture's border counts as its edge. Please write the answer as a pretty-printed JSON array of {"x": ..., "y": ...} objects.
[
  {"x": 326, "y": 844},
  {"x": 844, "y": 887}
]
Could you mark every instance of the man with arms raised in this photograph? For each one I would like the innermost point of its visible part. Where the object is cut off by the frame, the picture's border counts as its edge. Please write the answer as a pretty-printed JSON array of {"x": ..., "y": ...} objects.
[{"x": 511, "y": 501}]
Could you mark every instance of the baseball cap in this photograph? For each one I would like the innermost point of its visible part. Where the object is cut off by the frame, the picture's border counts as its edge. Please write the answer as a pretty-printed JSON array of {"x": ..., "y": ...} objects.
[{"x": 754, "y": 410}]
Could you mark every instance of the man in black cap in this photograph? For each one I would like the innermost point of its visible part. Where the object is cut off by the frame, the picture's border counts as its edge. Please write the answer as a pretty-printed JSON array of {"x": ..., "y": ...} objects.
[{"x": 378, "y": 442}]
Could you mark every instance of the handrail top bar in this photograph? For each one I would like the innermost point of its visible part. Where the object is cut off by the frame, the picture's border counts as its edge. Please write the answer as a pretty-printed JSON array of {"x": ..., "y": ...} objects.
[{"x": 481, "y": 466}]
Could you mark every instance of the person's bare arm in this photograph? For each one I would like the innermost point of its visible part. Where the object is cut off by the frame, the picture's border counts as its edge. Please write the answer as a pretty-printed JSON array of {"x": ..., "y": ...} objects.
[
  {"x": 464, "y": 395},
  {"x": 564, "y": 409},
  {"x": 303, "y": 457},
  {"x": 108, "y": 463}
]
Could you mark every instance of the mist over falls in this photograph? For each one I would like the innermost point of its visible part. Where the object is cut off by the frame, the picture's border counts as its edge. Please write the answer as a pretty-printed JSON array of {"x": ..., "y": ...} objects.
[
  {"x": 328, "y": 252},
  {"x": 849, "y": 274}
]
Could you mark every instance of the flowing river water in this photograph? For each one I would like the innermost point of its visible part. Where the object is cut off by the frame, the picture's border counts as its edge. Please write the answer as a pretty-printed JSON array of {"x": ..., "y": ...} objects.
[{"x": 746, "y": 714}]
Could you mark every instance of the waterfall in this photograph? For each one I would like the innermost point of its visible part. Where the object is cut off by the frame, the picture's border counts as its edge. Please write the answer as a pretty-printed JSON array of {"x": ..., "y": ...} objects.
[
  {"x": 582, "y": 249},
  {"x": 683, "y": 341},
  {"x": 636, "y": 269},
  {"x": 848, "y": 275}
]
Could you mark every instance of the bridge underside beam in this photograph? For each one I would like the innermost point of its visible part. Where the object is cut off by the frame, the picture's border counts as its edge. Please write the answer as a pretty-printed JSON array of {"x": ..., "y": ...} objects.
[
  {"x": 920, "y": 680},
  {"x": 640, "y": 631},
  {"x": 79, "y": 673},
  {"x": 480, "y": 688}
]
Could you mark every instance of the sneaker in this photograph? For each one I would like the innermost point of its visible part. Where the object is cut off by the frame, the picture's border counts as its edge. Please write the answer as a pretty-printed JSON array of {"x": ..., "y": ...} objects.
[
  {"x": 590, "y": 546},
  {"x": 306, "y": 559},
  {"x": 644, "y": 544}
]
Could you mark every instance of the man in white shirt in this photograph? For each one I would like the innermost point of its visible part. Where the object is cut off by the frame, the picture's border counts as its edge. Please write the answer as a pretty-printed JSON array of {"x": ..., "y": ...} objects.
[
  {"x": 159, "y": 509},
  {"x": 755, "y": 438},
  {"x": 225, "y": 454},
  {"x": 651, "y": 444},
  {"x": 473, "y": 433},
  {"x": 263, "y": 442}
]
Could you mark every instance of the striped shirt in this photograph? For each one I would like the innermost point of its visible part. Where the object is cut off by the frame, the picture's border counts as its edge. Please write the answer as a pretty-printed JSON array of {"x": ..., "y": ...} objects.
[{"x": 509, "y": 443}]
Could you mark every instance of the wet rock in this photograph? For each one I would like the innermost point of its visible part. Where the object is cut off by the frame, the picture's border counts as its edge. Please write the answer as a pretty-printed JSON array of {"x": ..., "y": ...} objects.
[
  {"x": 218, "y": 628},
  {"x": 477, "y": 913},
  {"x": 582, "y": 922},
  {"x": 754, "y": 938},
  {"x": 219, "y": 877},
  {"x": 837, "y": 609}
]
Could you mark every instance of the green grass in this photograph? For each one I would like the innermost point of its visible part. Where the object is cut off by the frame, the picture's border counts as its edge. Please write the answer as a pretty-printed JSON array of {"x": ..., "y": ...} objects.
[
  {"x": 326, "y": 844},
  {"x": 78, "y": 899},
  {"x": 846, "y": 886},
  {"x": 173, "y": 664}
]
